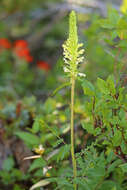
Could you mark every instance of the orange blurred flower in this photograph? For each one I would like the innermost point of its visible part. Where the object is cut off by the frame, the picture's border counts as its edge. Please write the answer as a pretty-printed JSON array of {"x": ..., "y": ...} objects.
[
  {"x": 29, "y": 58},
  {"x": 21, "y": 50},
  {"x": 43, "y": 65},
  {"x": 20, "y": 44},
  {"x": 4, "y": 43}
]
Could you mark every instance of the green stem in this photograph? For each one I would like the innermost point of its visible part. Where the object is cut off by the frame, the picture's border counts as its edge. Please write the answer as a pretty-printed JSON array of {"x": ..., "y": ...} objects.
[{"x": 72, "y": 130}]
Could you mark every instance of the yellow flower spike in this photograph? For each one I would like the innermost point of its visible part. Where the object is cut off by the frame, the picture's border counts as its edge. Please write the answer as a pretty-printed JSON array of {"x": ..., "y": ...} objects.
[{"x": 123, "y": 6}]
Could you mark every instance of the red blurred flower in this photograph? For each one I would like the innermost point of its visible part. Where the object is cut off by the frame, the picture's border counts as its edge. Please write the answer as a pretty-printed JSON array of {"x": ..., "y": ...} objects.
[
  {"x": 4, "y": 43},
  {"x": 43, "y": 65},
  {"x": 29, "y": 58},
  {"x": 20, "y": 44},
  {"x": 21, "y": 50}
]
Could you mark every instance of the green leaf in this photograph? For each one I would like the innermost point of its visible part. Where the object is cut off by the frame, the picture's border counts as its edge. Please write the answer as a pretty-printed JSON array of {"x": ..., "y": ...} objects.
[
  {"x": 28, "y": 137},
  {"x": 17, "y": 187},
  {"x": 124, "y": 167},
  {"x": 38, "y": 173},
  {"x": 106, "y": 24},
  {"x": 111, "y": 84},
  {"x": 108, "y": 184},
  {"x": 38, "y": 163},
  {"x": 8, "y": 164},
  {"x": 124, "y": 147},
  {"x": 63, "y": 182},
  {"x": 122, "y": 28},
  {"x": 110, "y": 156},
  {"x": 58, "y": 142},
  {"x": 89, "y": 127},
  {"x": 117, "y": 138},
  {"x": 64, "y": 151},
  {"x": 102, "y": 85},
  {"x": 112, "y": 20},
  {"x": 113, "y": 16},
  {"x": 114, "y": 165},
  {"x": 88, "y": 88},
  {"x": 50, "y": 105},
  {"x": 122, "y": 43},
  {"x": 84, "y": 183},
  {"x": 36, "y": 126},
  {"x": 97, "y": 131}
]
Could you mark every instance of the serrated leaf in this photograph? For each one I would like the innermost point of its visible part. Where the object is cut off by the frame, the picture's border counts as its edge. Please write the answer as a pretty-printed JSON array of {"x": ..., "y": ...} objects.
[
  {"x": 64, "y": 151},
  {"x": 89, "y": 127},
  {"x": 114, "y": 165},
  {"x": 124, "y": 167}
]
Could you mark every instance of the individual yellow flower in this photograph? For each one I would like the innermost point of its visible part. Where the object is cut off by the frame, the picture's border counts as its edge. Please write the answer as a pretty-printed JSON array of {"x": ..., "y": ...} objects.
[
  {"x": 123, "y": 6},
  {"x": 45, "y": 171},
  {"x": 47, "y": 174},
  {"x": 40, "y": 150}
]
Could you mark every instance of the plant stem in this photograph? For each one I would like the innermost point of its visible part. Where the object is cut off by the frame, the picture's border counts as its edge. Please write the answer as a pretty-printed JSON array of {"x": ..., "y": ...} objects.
[{"x": 72, "y": 130}]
